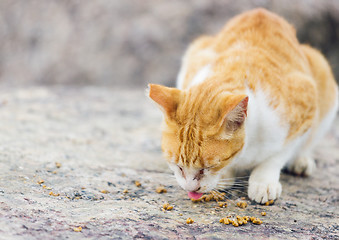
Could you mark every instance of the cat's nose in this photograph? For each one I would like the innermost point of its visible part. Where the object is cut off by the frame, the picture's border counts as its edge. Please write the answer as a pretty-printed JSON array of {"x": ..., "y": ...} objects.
[{"x": 192, "y": 187}]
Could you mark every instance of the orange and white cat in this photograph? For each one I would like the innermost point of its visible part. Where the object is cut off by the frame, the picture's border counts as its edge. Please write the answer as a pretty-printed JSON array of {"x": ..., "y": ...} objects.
[{"x": 251, "y": 98}]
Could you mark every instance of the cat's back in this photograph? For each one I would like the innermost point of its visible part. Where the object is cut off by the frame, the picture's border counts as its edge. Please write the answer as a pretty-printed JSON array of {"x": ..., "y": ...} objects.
[
  {"x": 258, "y": 49},
  {"x": 254, "y": 36},
  {"x": 264, "y": 33}
]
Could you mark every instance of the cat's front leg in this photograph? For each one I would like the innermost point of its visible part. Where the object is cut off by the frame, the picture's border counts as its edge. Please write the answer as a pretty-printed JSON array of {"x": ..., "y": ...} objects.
[{"x": 264, "y": 182}]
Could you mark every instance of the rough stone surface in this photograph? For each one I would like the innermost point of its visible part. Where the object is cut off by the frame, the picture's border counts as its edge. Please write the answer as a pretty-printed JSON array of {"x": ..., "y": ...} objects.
[
  {"x": 105, "y": 140},
  {"x": 127, "y": 43}
]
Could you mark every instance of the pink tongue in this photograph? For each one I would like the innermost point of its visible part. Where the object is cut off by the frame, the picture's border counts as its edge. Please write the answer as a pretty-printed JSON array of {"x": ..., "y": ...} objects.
[{"x": 194, "y": 195}]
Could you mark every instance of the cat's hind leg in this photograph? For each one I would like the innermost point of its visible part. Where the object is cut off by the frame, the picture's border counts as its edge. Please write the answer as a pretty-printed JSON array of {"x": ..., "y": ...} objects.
[{"x": 304, "y": 163}]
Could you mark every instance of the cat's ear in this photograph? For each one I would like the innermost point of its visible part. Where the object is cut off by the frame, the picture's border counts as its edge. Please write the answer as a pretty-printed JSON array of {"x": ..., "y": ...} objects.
[
  {"x": 167, "y": 98},
  {"x": 234, "y": 111}
]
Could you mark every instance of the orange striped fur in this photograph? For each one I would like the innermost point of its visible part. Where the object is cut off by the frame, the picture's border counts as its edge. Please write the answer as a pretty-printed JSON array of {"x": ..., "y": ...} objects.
[{"x": 204, "y": 124}]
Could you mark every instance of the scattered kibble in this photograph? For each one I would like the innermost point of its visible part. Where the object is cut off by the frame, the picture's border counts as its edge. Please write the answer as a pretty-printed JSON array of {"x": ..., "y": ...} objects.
[
  {"x": 58, "y": 165},
  {"x": 222, "y": 204},
  {"x": 224, "y": 221},
  {"x": 77, "y": 229},
  {"x": 213, "y": 196},
  {"x": 54, "y": 172},
  {"x": 270, "y": 202},
  {"x": 242, "y": 204},
  {"x": 257, "y": 221},
  {"x": 263, "y": 213},
  {"x": 137, "y": 183},
  {"x": 189, "y": 221},
  {"x": 238, "y": 220},
  {"x": 125, "y": 191},
  {"x": 41, "y": 181},
  {"x": 54, "y": 194},
  {"x": 167, "y": 207},
  {"x": 235, "y": 224},
  {"x": 104, "y": 191},
  {"x": 161, "y": 189}
]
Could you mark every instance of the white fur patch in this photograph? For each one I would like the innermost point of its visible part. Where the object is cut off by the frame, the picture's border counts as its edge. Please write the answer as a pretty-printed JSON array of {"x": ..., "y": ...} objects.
[
  {"x": 182, "y": 75},
  {"x": 201, "y": 75},
  {"x": 265, "y": 134}
]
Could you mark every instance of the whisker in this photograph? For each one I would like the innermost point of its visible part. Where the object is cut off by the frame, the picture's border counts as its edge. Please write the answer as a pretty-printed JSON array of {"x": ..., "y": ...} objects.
[
  {"x": 229, "y": 184},
  {"x": 242, "y": 177}
]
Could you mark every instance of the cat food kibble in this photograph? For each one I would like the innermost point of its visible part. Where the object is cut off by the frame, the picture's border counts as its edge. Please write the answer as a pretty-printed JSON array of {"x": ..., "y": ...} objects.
[
  {"x": 77, "y": 229},
  {"x": 242, "y": 204},
  {"x": 238, "y": 221},
  {"x": 41, "y": 181},
  {"x": 125, "y": 191},
  {"x": 263, "y": 213},
  {"x": 58, "y": 165},
  {"x": 137, "y": 183},
  {"x": 222, "y": 204},
  {"x": 225, "y": 221},
  {"x": 257, "y": 221},
  {"x": 54, "y": 194},
  {"x": 161, "y": 189},
  {"x": 104, "y": 191},
  {"x": 270, "y": 202},
  {"x": 167, "y": 207},
  {"x": 212, "y": 196},
  {"x": 189, "y": 221}
]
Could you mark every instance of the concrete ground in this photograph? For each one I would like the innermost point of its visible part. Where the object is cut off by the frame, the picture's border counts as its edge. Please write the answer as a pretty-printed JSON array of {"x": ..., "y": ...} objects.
[{"x": 69, "y": 159}]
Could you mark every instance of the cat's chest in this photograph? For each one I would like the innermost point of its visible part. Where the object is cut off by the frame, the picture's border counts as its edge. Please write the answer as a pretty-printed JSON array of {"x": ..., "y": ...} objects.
[{"x": 265, "y": 130}]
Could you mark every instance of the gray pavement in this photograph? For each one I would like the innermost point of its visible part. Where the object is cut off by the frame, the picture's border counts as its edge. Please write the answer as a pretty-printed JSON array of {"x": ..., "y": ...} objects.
[{"x": 104, "y": 140}]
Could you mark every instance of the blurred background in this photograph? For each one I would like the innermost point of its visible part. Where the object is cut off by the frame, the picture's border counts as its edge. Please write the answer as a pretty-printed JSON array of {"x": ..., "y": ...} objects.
[{"x": 129, "y": 43}]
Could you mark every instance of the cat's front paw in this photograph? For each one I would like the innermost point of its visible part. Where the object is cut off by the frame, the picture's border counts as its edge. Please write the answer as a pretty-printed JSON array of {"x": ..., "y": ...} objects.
[{"x": 263, "y": 192}]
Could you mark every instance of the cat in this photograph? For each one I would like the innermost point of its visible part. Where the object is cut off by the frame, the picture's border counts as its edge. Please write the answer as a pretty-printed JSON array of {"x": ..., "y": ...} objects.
[{"x": 251, "y": 98}]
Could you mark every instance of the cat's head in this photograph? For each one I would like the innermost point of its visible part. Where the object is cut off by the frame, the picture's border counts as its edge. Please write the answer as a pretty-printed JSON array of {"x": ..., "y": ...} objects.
[{"x": 202, "y": 133}]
